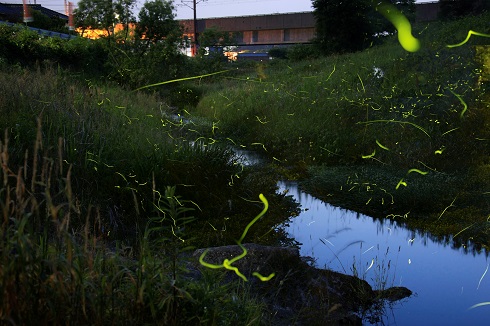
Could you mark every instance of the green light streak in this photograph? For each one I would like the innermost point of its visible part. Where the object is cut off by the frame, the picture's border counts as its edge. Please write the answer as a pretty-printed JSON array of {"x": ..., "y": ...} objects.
[
  {"x": 481, "y": 278},
  {"x": 383, "y": 147},
  {"x": 439, "y": 151},
  {"x": 466, "y": 228},
  {"x": 397, "y": 121},
  {"x": 401, "y": 23},
  {"x": 180, "y": 79},
  {"x": 401, "y": 183},
  {"x": 465, "y": 106},
  {"x": 266, "y": 207},
  {"x": 417, "y": 171},
  {"x": 227, "y": 264},
  {"x": 263, "y": 278},
  {"x": 468, "y": 38},
  {"x": 369, "y": 156}
]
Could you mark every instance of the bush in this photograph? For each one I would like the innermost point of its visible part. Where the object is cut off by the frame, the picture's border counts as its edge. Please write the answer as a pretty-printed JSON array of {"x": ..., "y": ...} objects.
[
  {"x": 278, "y": 53},
  {"x": 302, "y": 52}
]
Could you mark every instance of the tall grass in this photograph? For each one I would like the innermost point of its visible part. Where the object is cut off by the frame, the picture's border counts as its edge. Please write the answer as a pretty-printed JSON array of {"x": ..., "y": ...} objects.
[
  {"x": 97, "y": 188},
  {"x": 335, "y": 109},
  {"x": 117, "y": 144},
  {"x": 55, "y": 271}
]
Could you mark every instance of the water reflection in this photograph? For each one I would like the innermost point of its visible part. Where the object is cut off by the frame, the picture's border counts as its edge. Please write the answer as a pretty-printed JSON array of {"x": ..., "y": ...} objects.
[{"x": 447, "y": 281}]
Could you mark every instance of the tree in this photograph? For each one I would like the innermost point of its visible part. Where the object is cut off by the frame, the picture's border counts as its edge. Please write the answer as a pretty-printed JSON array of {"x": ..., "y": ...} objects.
[
  {"x": 43, "y": 21},
  {"x": 124, "y": 14},
  {"x": 103, "y": 14},
  {"x": 215, "y": 40},
  {"x": 154, "y": 54},
  {"x": 95, "y": 14},
  {"x": 342, "y": 26},
  {"x": 452, "y": 9},
  {"x": 348, "y": 26},
  {"x": 157, "y": 22}
]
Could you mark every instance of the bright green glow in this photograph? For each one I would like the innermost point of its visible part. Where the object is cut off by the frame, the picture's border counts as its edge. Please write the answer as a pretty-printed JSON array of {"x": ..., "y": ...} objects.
[
  {"x": 266, "y": 207},
  {"x": 465, "y": 106},
  {"x": 401, "y": 23},
  {"x": 370, "y": 156},
  {"x": 227, "y": 263},
  {"x": 468, "y": 38},
  {"x": 396, "y": 121},
  {"x": 383, "y": 147},
  {"x": 440, "y": 151},
  {"x": 418, "y": 171},
  {"x": 181, "y": 79},
  {"x": 263, "y": 278},
  {"x": 401, "y": 183}
]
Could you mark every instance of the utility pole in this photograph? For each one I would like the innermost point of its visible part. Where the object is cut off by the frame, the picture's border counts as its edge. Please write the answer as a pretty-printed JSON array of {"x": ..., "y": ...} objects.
[
  {"x": 195, "y": 46},
  {"x": 195, "y": 43}
]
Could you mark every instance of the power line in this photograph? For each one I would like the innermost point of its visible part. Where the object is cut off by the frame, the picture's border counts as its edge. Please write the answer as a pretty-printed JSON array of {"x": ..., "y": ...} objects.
[{"x": 223, "y": 2}]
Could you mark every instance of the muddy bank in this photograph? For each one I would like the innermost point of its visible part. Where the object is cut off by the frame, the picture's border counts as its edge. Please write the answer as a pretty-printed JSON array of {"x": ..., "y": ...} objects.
[{"x": 300, "y": 293}]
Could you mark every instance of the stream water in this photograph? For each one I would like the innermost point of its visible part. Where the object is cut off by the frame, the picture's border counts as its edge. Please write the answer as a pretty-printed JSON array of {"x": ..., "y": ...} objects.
[{"x": 446, "y": 281}]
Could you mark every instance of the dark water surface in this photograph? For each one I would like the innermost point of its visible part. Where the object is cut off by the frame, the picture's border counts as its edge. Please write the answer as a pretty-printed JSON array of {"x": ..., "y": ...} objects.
[{"x": 446, "y": 281}]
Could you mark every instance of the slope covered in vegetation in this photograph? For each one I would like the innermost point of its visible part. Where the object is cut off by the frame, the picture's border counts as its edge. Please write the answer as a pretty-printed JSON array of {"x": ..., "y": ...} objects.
[{"x": 383, "y": 131}]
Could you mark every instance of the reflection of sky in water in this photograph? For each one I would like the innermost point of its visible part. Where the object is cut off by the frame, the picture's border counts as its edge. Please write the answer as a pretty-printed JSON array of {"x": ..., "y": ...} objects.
[{"x": 446, "y": 281}]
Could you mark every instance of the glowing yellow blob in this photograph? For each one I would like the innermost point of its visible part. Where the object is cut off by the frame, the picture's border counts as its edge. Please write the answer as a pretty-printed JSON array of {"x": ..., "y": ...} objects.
[
  {"x": 401, "y": 23},
  {"x": 227, "y": 263}
]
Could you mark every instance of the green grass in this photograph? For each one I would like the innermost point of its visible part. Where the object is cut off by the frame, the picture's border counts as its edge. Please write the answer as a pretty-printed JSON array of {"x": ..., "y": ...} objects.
[
  {"x": 103, "y": 190},
  {"x": 97, "y": 185},
  {"x": 418, "y": 133},
  {"x": 59, "y": 267}
]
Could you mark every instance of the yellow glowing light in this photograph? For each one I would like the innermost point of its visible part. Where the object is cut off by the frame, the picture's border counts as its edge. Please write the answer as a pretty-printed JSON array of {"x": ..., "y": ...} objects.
[
  {"x": 401, "y": 23},
  {"x": 468, "y": 38},
  {"x": 263, "y": 278},
  {"x": 401, "y": 183},
  {"x": 465, "y": 106},
  {"x": 369, "y": 156},
  {"x": 228, "y": 263},
  {"x": 417, "y": 171},
  {"x": 383, "y": 147}
]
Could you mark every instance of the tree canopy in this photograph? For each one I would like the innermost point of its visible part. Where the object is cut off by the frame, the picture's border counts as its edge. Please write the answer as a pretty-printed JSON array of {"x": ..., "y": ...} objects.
[
  {"x": 103, "y": 14},
  {"x": 348, "y": 26},
  {"x": 157, "y": 21},
  {"x": 452, "y": 9}
]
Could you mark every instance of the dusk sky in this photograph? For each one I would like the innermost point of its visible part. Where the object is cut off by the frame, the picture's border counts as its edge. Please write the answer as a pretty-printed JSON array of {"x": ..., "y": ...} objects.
[{"x": 212, "y": 8}]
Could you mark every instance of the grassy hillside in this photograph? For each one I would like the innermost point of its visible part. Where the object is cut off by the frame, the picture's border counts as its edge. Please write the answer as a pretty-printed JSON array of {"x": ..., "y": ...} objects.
[
  {"x": 100, "y": 198},
  {"x": 413, "y": 129}
]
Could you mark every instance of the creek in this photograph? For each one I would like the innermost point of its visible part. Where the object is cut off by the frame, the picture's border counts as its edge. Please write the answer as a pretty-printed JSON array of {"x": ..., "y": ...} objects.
[{"x": 446, "y": 281}]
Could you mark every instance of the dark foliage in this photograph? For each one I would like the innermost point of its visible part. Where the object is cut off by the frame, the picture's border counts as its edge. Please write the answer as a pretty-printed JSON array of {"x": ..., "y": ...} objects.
[
  {"x": 349, "y": 26},
  {"x": 452, "y": 9}
]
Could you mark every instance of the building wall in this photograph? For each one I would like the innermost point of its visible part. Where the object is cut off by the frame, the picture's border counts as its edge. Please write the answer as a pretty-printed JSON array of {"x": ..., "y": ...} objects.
[
  {"x": 265, "y": 29},
  {"x": 281, "y": 28},
  {"x": 428, "y": 11}
]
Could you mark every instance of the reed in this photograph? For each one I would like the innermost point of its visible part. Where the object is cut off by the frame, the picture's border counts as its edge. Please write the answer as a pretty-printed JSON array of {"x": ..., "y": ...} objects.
[{"x": 55, "y": 271}]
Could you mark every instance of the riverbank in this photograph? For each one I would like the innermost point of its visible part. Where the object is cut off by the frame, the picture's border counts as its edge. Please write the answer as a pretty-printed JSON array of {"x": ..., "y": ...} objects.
[
  {"x": 452, "y": 207},
  {"x": 299, "y": 293},
  {"x": 385, "y": 132},
  {"x": 89, "y": 217},
  {"x": 448, "y": 282}
]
